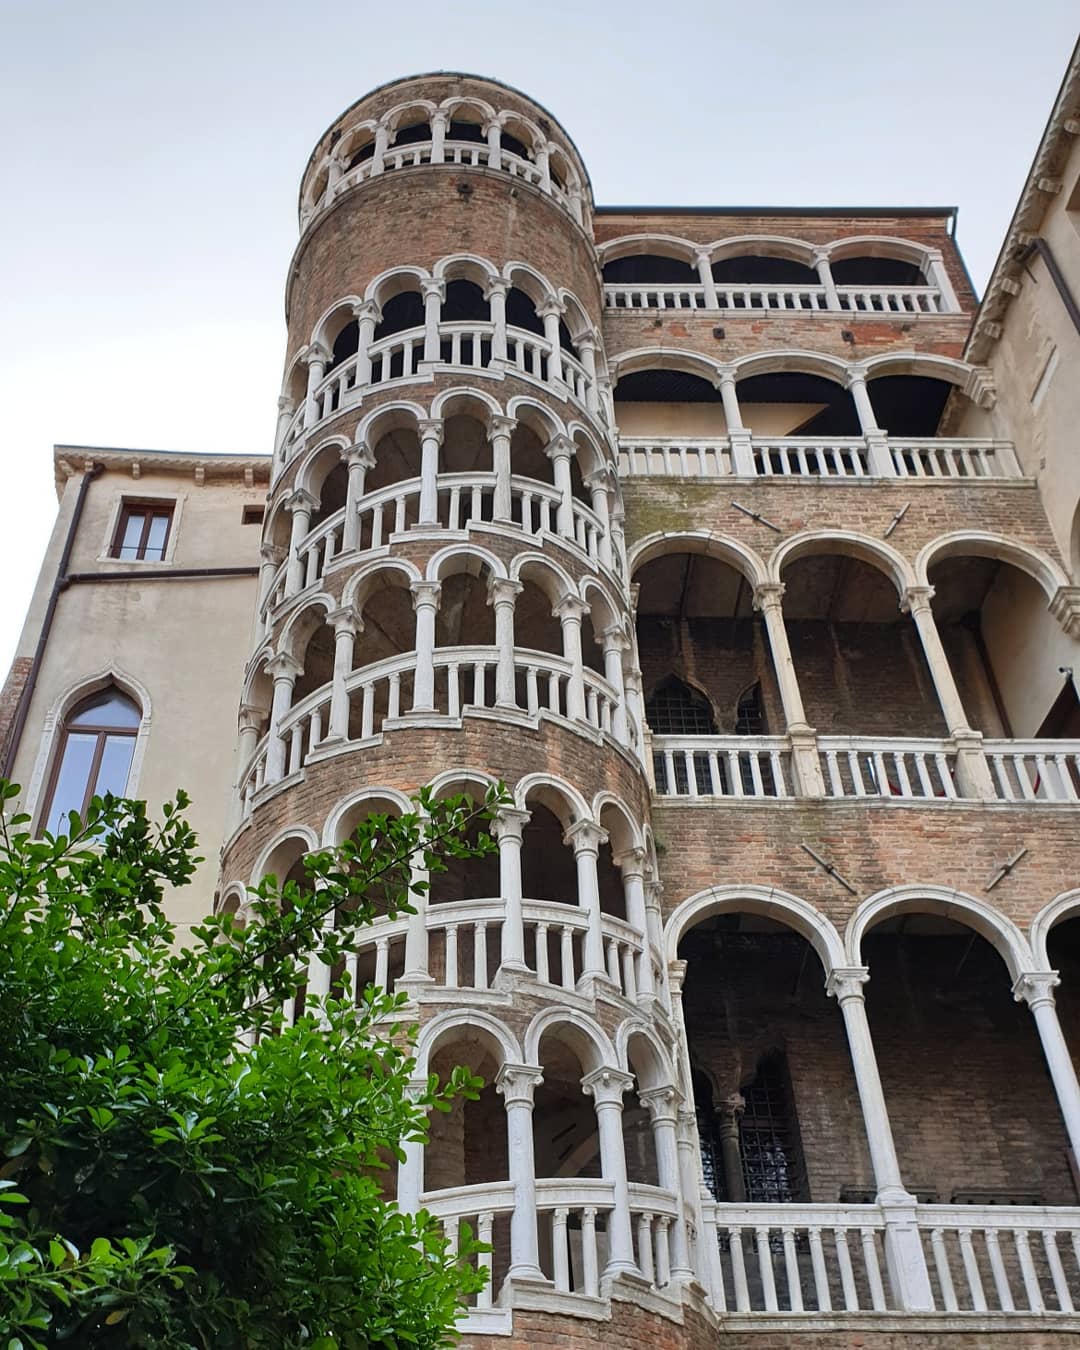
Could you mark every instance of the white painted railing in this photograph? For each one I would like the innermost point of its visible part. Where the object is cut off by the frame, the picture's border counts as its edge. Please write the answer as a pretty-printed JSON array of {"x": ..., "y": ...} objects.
[
  {"x": 396, "y": 357},
  {"x": 572, "y": 1221},
  {"x": 864, "y": 766},
  {"x": 653, "y": 295},
  {"x": 722, "y": 766},
  {"x": 1035, "y": 771},
  {"x": 672, "y": 457},
  {"x": 852, "y": 299},
  {"x": 803, "y": 456},
  {"x": 653, "y": 1211},
  {"x": 890, "y": 299},
  {"x": 953, "y": 457},
  {"x": 1001, "y": 1258},
  {"x": 796, "y": 1258}
]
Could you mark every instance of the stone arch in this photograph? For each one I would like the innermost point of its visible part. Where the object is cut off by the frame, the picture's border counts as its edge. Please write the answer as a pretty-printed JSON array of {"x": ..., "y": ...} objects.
[
  {"x": 1002, "y": 934},
  {"x": 439, "y": 1031},
  {"x": 553, "y": 579},
  {"x": 584, "y": 438},
  {"x": 1062, "y": 907},
  {"x": 467, "y": 401},
  {"x": 662, "y": 245},
  {"x": 394, "y": 281},
  {"x": 466, "y": 558},
  {"x": 458, "y": 101},
  {"x": 793, "y": 360},
  {"x": 462, "y": 779},
  {"x": 763, "y": 245},
  {"x": 360, "y": 584},
  {"x": 524, "y": 277},
  {"x": 874, "y": 552},
  {"x": 878, "y": 246},
  {"x": 508, "y": 119},
  {"x": 984, "y": 544},
  {"x": 331, "y": 832},
  {"x": 303, "y": 622},
  {"x": 576, "y": 318},
  {"x": 585, "y": 1038},
  {"x": 347, "y": 141},
  {"x": 661, "y": 1070},
  {"x": 465, "y": 267},
  {"x": 665, "y": 358},
  {"x": 537, "y": 416},
  {"x": 386, "y": 418},
  {"x": 726, "y": 550},
  {"x": 392, "y": 119},
  {"x": 319, "y": 463},
  {"x": 767, "y": 901},
  {"x": 611, "y": 615},
  {"x": 626, "y": 833},
  {"x": 332, "y": 320},
  {"x": 560, "y": 797},
  {"x": 303, "y": 835}
]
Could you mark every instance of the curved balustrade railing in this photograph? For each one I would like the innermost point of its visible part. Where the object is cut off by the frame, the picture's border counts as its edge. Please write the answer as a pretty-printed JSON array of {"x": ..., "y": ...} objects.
[
  {"x": 466, "y": 346},
  {"x": 850, "y": 299},
  {"x": 467, "y": 154},
  {"x": 945, "y": 458},
  {"x": 381, "y": 694}
]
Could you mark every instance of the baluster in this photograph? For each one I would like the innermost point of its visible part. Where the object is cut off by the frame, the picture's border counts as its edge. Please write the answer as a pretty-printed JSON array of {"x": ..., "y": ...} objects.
[
  {"x": 1027, "y": 1270},
  {"x": 408, "y": 365},
  {"x": 644, "y": 1244},
  {"x": 544, "y": 507},
  {"x": 351, "y": 961},
  {"x": 881, "y": 773},
  {"x": 738, "y": 1270},
  {"x": 779, "y": 782},
  {"x": 543, "y": 974},
  {"x": 613, "y": 961},
  {"x": 873, "y": 1270},
  {"x": 1057, "y": 1271},
  {"x": 847, "y": 1274},
  {"x": 453, "y": 690},
  {"x": 399, "y": 513},
  {"x": 926, "y": 788},
  {"x": 691, "y": 772},
  {"x": 590, "y": 1272},
  {"x": 663, "y": 1251},
  {"x": 1046, "y": 787},
  {"x": 735, "y": 783},
  {"x": 714, "y": 774},
  {"x": 296, "y": 747},
  {"x": 946, "y": 777},
  {"x": 944, "y": 1274},
  {"x": 822, "y": 1293},
  {"x": 971, "y": 1271},
  {"x": 532, "y": 693},
  {"x": 454, "y": 522},
  {"x": 476, "y": 503},
  {"x": 671, "y": 786},
  {"x": 755, "y": 773},
  {"x": 629, "y": 979},
  {"x": 836, "y": 786},
  {"x": 1022, "y": 777},
  {"x": 768, "y": 1281},
  {"x": 478, "y": 684},
  {"x": 480, "y": 971},
  {"x": 455, "y": 348},
  {"x": 855, "y": 768},
  {"x": 382, "y": 961},
  {"x": 1067, "y": 790},
  {"x": 998, "y": 1271},
  {"x": 314, "y": 729},
  {"x": 559, "y": 1251},
  {"x": 567, "y": 957},
  {"x": 311, "y": 571},
  {"x": 451, "y": 1226},
  {"x": 791, "y": 1270},
  {"x": 376, "y": 525},
  {"x": 393, "y": 707},
  {"x": 451, "y": 956},
  {"x": 554, "y": 699}
]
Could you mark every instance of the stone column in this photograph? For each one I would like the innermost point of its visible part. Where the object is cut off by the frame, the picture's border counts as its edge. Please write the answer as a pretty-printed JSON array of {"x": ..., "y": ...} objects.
[
  {"x": 806, "y": 766},
  {"x": 585, "y": 839},
  {"x": 730, "y": 1113},
  {"x": 285, "y": 410},
  {"x": 347, "y": 625},
  {"x": 654, "y": 931},
  {"x": 542, "y": 160},
  {"x": 495, "y": 292},
  {"x": 1036, "y": 989},
  {"x": 270, "y": 559},
  {"x": 559, "y": 451},
  {"x": 439, "y": 119},
  {"x": 516, "y": 1083},
  {"x": 662, "y": 1104},
  {"x": 599, "y": 485},
  {"x": 500, "y": 431},
  {"x": 606, "y": 1087},
  {"x": 937, "y": 274},
  {"x": 300, "y": 505},
  {"x": 410, "y": 1184},
  {"x": 494, "y": 140},
  {"x": 904, "y": 1256},
  {"x": 631, "y": 865},
  {"x": 635, "y": 707},
  {"x": 507, "y": 828},
  {"x": 434, "y": 293},
  {"x": 246, "y": 743},
  {"x": 502, "y": 595},
  {"x": 425, "y": 596},
  {"x": 972, "y": 771},
  {"x": 284, "y": 671},
  {"x": 703, "y": 263},
  {"x": 587, "y": 351},
  {"x": 316, "y": 359},
  {"x": 616, "y": 642},
  {"x": 431, "y": 438},
  {"x": 825, "y": 278},
  {"x": 551, "y": 313},
  {"x": 570, "y": 611},
  {"x": 877, "y": 441},
  {"x": 742, "y": 452},
  {"x": 416, "y": 973},
  {"x": 359, "y": 459},
  {"x": 382, "y": 141},
  {"x": 368, "y": 315}
]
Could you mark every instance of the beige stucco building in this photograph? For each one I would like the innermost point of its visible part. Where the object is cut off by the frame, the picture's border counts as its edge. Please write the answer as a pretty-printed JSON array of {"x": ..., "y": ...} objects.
[{"x": 740, "y": 543}]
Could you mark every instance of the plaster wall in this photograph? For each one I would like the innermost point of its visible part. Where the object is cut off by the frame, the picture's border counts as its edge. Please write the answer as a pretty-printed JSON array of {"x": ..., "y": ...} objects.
[{"x": 707, "y": 419}]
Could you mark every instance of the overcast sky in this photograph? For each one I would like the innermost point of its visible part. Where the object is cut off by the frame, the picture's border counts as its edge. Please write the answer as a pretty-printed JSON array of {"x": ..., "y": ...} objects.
[{"x": 152, "y": 152}]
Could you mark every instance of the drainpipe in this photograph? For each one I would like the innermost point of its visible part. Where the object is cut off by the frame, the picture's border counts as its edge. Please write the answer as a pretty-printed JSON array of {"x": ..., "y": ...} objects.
[{"x": 1042, "y": 248}]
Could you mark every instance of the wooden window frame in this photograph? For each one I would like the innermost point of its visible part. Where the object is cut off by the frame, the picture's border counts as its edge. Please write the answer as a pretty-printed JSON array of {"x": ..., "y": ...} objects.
[
  {"x": 149, "y": 507},
  {"x": 102, "y": 734}
]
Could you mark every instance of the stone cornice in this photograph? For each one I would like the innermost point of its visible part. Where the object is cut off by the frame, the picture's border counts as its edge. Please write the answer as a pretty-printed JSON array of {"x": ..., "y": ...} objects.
[{"x": 73, "y": 459}]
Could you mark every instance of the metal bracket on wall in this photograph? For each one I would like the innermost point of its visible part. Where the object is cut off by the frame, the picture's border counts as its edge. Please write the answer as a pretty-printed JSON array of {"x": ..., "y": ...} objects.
[
  {"x": 828, "y": 867},
  {"x": 756, "y": 515},
  {"x": 896, "y": 520},
  {"x": 1004, "y": 870}
]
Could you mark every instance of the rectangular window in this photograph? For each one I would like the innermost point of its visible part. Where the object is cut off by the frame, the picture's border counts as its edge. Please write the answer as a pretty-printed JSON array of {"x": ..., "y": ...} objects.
[
  {"x": 253, "y": 515},
  {"x": 143, "y": 531}
]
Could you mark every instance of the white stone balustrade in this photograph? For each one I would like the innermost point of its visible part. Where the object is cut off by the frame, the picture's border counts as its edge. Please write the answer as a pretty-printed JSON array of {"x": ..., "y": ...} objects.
[
  {"x": 1035, "y": 771},
  {"x": 864, "y": 766},
  {"x": 849, "y": 299},
  {"x": 940, "y": 458},
  {"x": 722, "y": 766}
]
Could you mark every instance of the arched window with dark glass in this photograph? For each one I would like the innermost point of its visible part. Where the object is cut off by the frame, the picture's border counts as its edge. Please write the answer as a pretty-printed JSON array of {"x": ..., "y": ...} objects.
[
  {"x": 96, "y": 745},
  {"x": 675, "y": 709},
  {"x": 769, "y": 1142}
]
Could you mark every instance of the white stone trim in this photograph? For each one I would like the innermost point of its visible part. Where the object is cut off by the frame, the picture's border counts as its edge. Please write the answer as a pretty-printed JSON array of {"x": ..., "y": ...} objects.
[{"x": 131, "y": 494}]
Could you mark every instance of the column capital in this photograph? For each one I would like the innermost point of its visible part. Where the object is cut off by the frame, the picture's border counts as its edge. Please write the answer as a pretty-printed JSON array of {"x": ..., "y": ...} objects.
[
  {"x": 284, "y": 667},
  {"x": 560, "y": 447},
  {"x": 431, "y": 428},
  {"x": 501, "y": 426},
  {"x": 606, "y": 1086},
  {"x": 426, "y": 593},
  {"x": 613, "y": 638},
  {"x": 272, "y": 553},
  {"x": 1065, "y": 607},
  {"x": 367, "y": 309},
  {"x": 286, "y": 404},
  {"x": 570, "y": 607},
  {"x": 654, "y": 891},
  {"x": 855, "y": 375},
  {"x": 345, "y": 620},
  {"x": 251, "y": 717},
  {"x": 601, "y": 479},
  {"x": 731, "y": 1107},
  {"x": 585, "y": 837},
  {"x": 702, "y": 258},
  {"x": 1036, "y": 987},
  {"x": 662, "y": 1103},
  {"x": 503, "y": 591},
  {"x": 820, "y": 255},
  {"x": 676, "y": 975},
  {"x": 300, "y": 500},
  {"x": 631, "y": 862},
  {"x": 313, "y": 353},
  {"x": 440, "y": 115},
  {"x": 726, "y": 374},
  {"x": 509, "y": 822},
  {"x": 769, "y": 595},
  {"x": 516, "y": 1083},
  {"x": 549, "y": 307},
  {"x": 917, "y": 598},
  {"x": 495, "y": 286},
  {"x": 361, "y": 453},
  {"x": 433, "y": 286},
  {"x": 846, "y": 982}
]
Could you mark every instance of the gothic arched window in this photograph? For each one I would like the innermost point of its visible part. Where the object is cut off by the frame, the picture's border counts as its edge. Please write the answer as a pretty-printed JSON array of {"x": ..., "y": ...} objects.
[
  {"x": 674, "y": 709},
  {"x": 96, "y": 745}
]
